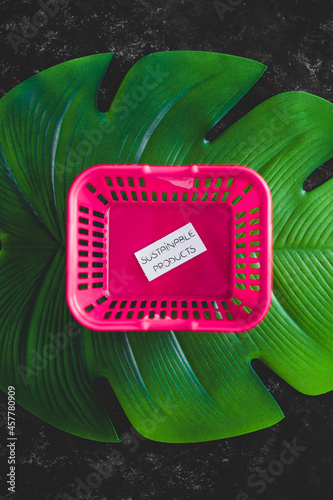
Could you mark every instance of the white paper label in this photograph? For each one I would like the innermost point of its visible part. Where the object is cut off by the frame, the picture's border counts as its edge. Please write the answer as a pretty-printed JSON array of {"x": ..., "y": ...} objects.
[{"x": 169, "y": 252}]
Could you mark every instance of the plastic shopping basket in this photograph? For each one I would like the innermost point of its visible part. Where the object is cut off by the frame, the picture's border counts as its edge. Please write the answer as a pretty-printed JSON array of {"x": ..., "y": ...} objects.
[{"x": 116, "y": 210}]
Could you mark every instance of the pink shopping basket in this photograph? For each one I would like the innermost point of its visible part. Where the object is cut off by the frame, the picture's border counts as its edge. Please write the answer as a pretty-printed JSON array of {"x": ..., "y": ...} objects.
[{"x": 117, "y": 210}]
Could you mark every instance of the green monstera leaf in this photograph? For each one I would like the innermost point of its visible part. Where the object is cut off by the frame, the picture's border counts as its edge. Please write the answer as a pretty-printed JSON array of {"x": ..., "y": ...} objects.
[{"x": 174, "y": 387}]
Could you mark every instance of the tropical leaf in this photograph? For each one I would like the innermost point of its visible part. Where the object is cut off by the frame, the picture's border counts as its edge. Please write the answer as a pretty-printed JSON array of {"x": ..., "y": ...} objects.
[{"x": 174, "y": 387}]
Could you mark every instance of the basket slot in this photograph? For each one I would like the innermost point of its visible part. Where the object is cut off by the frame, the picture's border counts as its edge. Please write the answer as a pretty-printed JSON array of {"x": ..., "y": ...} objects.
[
  {"x": 98, "y": 234},
  {"x": 98, "y": 255},
  {"x": 255, "y": 265},
  {"x": 91, "y": 188},
  {"x": 254, "y": 221},
  {"x": 247, "y": 189},
  {"x": 236, "y": 200},
  {"x": 98, "y": 214},
  {"x": 254, "y": 210},
  {"x": 255, "y": 254},
  {"x": 101, "y": 300},
  {"x": 255, "y": 288},
  {"x": 97, "y": 285},
  {"x": 101, "y": 198}
]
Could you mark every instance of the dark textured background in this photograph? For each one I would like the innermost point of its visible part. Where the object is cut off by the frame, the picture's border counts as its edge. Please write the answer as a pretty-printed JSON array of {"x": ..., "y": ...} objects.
[{"x": 294, "y": 39}]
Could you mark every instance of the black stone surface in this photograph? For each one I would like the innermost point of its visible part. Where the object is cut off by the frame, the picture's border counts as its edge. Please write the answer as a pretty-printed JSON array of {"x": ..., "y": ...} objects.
[{"x": 294, "y": 39}]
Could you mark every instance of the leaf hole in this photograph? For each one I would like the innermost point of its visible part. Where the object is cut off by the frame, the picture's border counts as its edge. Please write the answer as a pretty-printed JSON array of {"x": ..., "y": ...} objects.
[
  {"x": 110, "y": 402},
  {"x": 319, "y": 176},
  {"x": 110, "y": 83}
]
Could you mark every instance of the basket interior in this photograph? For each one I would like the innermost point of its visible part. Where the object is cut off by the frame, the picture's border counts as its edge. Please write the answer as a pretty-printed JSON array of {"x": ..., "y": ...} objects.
[{"x": 115, "y": 211}]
